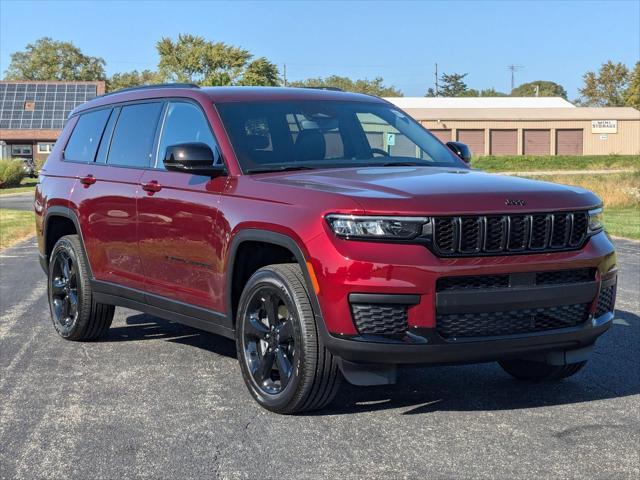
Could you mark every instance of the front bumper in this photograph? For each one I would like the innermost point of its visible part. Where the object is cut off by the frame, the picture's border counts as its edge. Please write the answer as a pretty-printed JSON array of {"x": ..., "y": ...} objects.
[
  {"x": 432, "y": 350},
  {"x": 412, "y": 275}
]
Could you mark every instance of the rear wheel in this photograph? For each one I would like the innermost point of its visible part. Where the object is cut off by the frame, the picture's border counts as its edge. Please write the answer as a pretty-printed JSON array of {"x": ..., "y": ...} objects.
[
  {"x": 284, "y": 364},
  {"x": 74, "y": 313},
  {"x": 538, "y": 371}
]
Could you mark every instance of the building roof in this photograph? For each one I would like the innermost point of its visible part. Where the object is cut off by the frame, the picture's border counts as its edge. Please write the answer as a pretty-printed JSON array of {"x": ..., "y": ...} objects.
[
  {"x": 511, "y": 114},
  {"x": 479, "y": 102},
  {"x": 41, "y": 106}
]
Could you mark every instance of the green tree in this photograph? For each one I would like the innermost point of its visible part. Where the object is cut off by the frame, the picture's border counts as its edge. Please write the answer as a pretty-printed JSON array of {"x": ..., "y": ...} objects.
[
  {"x": 48, "y": 59},
  {"x": 193, "y": 59},
  {"x": 632, "y": 94},
  {"x": 369, "y": 87},
  {"x": 492, "y": 92},
  {"x": 540, "y": 88},
  {"x": 453, "y": 85},
  {"x": 132, "y": 79},
  {"x": 607, "y": 87}
]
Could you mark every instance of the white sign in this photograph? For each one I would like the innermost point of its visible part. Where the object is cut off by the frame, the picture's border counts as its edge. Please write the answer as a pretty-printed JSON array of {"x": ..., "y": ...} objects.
[
  {"x": 604, "y": 136},
  {"x": 391, "y": 139},
  {"x": 604, "y": 126}
]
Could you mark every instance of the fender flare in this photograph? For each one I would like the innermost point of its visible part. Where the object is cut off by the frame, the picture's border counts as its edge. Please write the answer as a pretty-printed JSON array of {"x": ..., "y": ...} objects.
[
  {"x": 68, "y": 213},
  {"x": 267, "y": 236}
]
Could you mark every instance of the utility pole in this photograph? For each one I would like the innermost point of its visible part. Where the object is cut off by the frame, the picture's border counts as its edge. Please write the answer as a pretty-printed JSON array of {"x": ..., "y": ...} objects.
[
  {"x": 513, "y": 69},
  {"x": 284, "y": 73},
  {"x": 437, "y": 92}
]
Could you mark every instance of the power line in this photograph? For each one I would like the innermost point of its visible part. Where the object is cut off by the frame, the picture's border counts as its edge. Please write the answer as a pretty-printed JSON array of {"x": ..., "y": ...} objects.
[{"x": 514, "y": 69}]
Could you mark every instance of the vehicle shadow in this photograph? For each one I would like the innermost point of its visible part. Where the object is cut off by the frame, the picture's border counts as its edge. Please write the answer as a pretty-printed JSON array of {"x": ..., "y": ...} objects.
[
  {"x": 612, "y": 372},
  {"x": 140, "y": 327}
]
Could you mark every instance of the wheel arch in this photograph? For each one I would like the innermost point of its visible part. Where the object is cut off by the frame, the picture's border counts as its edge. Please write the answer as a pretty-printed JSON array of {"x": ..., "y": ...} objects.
[
  {"x": 58, "y": 221},
  {"x": 275, "y": 239}
]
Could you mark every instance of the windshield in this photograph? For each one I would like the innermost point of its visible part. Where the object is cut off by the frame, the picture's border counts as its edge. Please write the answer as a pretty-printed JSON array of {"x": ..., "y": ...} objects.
[{"x": 271, "y": 136}]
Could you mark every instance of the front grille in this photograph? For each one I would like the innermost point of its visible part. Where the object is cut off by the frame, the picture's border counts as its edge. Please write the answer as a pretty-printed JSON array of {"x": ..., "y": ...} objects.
[
  {"x": 606, "y": 301},
  {"x": 557, "y": 277},
  {"x": 380, "y": 319},
  {"x": 505, "y": 234},
  {"x": 510, "y": 322}
]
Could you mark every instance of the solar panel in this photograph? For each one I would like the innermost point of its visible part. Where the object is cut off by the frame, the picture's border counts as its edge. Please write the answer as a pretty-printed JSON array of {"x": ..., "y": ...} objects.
[{"x": 37, "y": 106}]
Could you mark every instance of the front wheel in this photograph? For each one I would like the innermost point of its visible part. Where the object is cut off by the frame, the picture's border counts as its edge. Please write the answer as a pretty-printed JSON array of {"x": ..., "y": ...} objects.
[
  {"x": 538, "y": 371},
  {"x": 284, "y": 364}
]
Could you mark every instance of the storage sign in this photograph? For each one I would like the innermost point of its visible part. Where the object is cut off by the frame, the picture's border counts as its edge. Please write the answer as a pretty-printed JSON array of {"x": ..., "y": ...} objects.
[{"x": 604, "y": 126}]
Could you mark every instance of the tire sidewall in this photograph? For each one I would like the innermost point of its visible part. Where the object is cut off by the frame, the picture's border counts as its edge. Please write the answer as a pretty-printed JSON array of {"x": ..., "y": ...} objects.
[{"x": 278, "y": 402}]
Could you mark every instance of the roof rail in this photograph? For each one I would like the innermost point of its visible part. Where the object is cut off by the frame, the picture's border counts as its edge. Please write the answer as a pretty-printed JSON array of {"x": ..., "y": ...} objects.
[
  {"x": 333, "y": 89},
  {"x": 149, "y": 87}
]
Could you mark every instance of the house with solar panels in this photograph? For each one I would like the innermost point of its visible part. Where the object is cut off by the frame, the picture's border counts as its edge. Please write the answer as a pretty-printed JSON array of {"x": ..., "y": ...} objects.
[{"x": 32, "y": 114}]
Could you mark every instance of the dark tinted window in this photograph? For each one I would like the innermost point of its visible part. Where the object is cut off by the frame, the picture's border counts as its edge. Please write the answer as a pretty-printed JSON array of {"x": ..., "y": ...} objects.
[
  {"x": 101, "y": 157},
  {"x": 329, "y": 134},
  {"x": 184, "y": 123},
  {"x": 86, "y": 136},
  {"x": 133, "y": 136}
]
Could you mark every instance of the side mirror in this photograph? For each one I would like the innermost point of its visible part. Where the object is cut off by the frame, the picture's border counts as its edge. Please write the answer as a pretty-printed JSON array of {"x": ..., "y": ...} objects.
[
  {"x": 194, "y": 158},
  {"x": 462, "y": 150}
]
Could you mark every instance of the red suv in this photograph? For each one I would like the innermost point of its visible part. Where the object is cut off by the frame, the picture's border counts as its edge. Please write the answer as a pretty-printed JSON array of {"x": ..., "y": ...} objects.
[{"x": 326, "y": 232}]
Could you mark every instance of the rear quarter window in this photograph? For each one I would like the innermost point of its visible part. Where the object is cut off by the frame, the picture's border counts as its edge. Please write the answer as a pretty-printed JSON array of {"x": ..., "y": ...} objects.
[{"x": 86, "y": 135}]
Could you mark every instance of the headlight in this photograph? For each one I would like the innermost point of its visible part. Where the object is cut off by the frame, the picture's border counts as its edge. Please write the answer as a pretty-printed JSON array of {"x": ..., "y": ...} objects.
[
  {"x": 383, "y": 228},
  {"x": 596, "y": 223}
]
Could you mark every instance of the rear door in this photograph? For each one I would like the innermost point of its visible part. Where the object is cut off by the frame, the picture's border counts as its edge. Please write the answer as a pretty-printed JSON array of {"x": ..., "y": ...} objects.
[
  {"x": 180, "y": 244},
  {"x": 107, "y": 190}
]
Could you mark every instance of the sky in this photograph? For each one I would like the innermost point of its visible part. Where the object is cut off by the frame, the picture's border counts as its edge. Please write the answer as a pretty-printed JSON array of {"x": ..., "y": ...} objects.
[{"x": 399, "y": 41}]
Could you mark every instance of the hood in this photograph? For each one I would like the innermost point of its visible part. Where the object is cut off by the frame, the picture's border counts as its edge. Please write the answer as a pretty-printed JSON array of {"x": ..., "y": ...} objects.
[{"x": 438, "y": 191}]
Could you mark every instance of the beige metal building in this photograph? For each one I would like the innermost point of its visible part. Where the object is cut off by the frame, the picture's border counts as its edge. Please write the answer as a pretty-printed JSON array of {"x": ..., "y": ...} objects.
[{"x": 520, "y": 127}]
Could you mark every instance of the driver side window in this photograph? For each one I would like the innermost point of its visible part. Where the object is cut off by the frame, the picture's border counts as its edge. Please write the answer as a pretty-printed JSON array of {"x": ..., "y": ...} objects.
[{"x": 183, "y": 123}]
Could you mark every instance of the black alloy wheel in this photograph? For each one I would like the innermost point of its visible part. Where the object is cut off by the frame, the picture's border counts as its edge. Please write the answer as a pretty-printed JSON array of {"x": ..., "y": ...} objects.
[
  {"x": 64, "y": 290},
  {"x": 269, "y": 343}
]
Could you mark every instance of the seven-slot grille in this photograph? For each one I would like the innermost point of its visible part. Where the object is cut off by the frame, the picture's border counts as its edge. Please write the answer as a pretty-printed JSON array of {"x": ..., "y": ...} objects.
[{"x": 504, "y": 234}]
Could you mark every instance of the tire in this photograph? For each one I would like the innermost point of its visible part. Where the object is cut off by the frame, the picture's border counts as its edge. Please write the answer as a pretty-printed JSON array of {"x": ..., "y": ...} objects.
[
  {"x": 314, "y": 376},
  {"x": 74, "y": 314},
  {"x": 538, "y": 371}
]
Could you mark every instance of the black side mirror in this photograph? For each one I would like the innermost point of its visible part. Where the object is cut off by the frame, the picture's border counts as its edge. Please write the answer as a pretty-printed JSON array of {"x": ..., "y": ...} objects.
[
  {"x": 462, "y": 150},
  {"x": 194, "y": 158}
]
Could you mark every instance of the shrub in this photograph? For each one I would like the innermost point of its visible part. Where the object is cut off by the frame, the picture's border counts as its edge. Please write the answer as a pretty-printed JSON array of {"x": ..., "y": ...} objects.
[{"x": 11, "y": 173}]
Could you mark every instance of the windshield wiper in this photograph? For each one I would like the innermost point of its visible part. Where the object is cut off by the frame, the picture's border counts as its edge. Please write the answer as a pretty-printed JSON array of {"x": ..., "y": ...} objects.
[{"x": 285, "y": 168}]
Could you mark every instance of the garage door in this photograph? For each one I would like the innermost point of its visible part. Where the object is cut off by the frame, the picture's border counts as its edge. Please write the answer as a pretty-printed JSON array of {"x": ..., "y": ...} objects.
[
  {"x": 443, "y": 135},
  {"x": 504, "y": 142},
  {"x": 569, "y": 142},
  {"x": 474, "y": 140},
  {"x": 537, "y": 142}
]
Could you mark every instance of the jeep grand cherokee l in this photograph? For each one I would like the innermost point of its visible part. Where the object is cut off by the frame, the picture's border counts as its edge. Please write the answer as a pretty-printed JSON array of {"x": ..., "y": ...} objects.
[{"x": 326, "y": 232}]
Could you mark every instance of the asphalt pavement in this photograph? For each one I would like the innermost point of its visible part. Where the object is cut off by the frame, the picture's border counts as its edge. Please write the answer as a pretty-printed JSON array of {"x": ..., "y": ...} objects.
[
  {"x": 159, "y": 400},
  {"x": 17, "y": 201}
]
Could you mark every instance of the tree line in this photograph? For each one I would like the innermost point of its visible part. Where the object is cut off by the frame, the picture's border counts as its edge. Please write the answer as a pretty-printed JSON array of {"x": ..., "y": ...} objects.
[{"x": 194, "y": 59}]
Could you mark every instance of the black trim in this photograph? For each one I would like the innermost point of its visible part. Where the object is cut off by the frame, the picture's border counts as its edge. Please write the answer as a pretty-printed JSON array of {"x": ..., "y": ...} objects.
[
  {"x": 514, "y": 298},
  {"x": 196, "y": 317},
  {"x": 384, "y": 298},
  {"x": 426, "y": 347},
  {"x": 65, "y": 212},
  {"x": 267, "y": 236}
]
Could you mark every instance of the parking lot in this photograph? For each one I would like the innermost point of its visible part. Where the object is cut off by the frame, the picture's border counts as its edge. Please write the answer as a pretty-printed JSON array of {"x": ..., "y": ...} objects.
[{"x": 159, "y": 400}]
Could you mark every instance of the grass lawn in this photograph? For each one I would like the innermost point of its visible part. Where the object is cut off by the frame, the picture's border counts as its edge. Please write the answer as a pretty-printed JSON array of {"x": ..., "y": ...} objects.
[
  {"x": 15, "y": 225},
  {"x": 555, "y": 162},
  {"x": 27, "y": 185},
  {"x": 623, "y": 222}
]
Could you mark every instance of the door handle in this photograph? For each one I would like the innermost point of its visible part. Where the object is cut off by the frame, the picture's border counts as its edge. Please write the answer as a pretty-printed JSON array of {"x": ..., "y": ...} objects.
[
  {"x": 88, "y": 180},
  {"x": 151, "y": 187}
]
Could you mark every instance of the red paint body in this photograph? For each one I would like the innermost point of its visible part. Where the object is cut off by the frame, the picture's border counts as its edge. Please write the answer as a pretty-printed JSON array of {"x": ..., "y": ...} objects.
[{"x": 129, "y": 232}]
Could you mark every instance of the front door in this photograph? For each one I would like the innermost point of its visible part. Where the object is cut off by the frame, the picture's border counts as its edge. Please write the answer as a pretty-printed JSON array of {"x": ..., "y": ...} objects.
[{"x": 179, "y": 243}]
